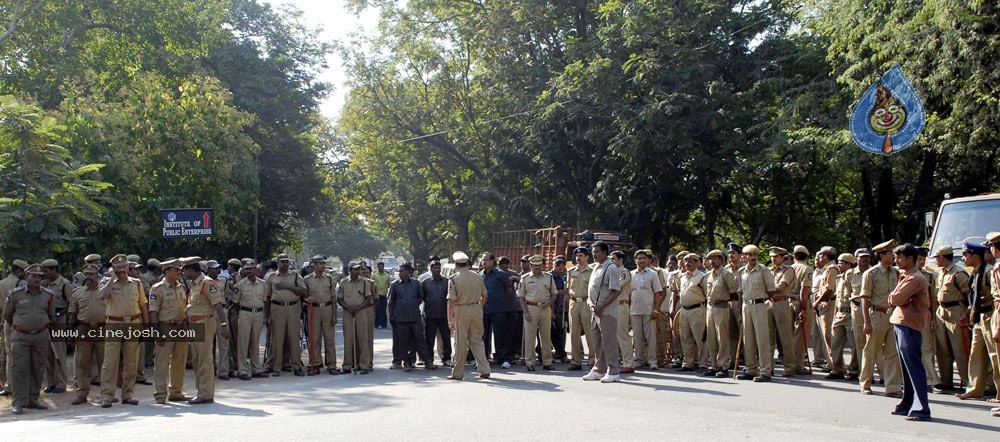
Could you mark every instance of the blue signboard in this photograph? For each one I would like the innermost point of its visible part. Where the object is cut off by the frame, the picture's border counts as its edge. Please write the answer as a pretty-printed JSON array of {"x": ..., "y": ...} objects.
[{"x": 187, "y": 223}]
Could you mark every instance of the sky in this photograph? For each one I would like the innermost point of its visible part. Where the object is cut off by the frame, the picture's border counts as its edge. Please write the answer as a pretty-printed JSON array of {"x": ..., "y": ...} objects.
[{"x": 337, "y": 23}]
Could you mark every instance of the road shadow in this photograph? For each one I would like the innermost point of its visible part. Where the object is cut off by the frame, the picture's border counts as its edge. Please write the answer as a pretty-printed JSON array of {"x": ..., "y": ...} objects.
[{"x": 936, "y": 420}]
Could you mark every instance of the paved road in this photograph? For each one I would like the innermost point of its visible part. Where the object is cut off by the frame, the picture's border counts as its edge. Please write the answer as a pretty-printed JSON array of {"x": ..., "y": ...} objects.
[{"x": 512, "y": 405}]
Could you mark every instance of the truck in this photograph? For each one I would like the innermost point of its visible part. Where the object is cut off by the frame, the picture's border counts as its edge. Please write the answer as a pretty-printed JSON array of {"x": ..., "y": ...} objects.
[
  {"x": 963, "y": 219},
  {"x": 550, "y": 242}
]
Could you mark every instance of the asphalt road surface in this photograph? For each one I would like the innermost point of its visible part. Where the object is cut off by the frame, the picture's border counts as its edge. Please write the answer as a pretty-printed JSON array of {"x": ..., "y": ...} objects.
[{"x": 512, "y": 405}]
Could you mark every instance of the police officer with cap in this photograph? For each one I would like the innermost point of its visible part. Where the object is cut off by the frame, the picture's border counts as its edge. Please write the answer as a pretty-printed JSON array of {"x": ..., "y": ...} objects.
[
  {"x": 126, "y": 309},
  {"x": 13, "y": 280},
  {"x": 29, "y": 310}
]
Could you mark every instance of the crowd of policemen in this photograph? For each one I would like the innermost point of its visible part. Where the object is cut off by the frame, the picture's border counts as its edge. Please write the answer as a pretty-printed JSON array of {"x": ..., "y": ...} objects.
[{"x": 707, "y": 314}]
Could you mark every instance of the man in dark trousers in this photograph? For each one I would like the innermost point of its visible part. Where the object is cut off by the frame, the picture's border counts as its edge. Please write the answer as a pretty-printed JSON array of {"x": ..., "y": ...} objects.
[
  {"x": 911, "y": 304},
  {"x": 434, "y": 291}
]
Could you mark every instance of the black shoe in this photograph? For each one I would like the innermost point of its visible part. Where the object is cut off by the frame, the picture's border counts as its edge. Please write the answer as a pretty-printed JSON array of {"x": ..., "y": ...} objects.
[
  {"x": 144, "y": 382},
  {"x": 95, "y": 383},
  {"x": 685, "y": 369},
  {"x": 745, "y": 377},
  {"x": 547, "y": 368},
  {"x": 259, "y": 375},
  {"x": 852, "y": 377},
  {"x": 299, "y": 372},
  {"x": 345, "y": 371},
  {"x": 722, "y": 374},
  {"x": 709, "y": 373},
  {"x": 49, "y": 389},
  {"x": 245, "y": 377},
  {"x": 762, "y": 378},
  {"x": 199, "y": 400},
  {"x": 575, "y": 367},
  {"x": 233, "y": 374},
  {"x": 18, "y": 410},
  {"x": 130, "y": 401},
  {"x": 59, "y": 390},
  {"x": 288, "y": 369},
  {"x": 275, "y": 374},
  {"x": 223, "y": 377},
  {"x": 333, "y": 371},
  {"x": 834, "y": 376},
  {"x": 363, "y": 371},
  {"x": 408, "y": 367}
]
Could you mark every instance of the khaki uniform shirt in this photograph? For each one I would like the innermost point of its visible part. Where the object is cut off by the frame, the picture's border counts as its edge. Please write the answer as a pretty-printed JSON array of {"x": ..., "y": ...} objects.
[
  {"x": 539, "y": 288},
  {"x": 150, "y": 279},
  {"x": 843, "y": 298},
  {"x": 250, "y": 294},
  {"x": 825, "y": 279},
  {"x": 854, "y": 279},
  {"x": 953, "y": 284},
  {"x": 354, "y": 293},
  {"x": 645, "y": 284},
  {"x": 577, "y": 281},
  {"x": 878, "y": 284},
  {"x": 283, "y": 295},
  {"x": 603, "y": 281},
  {"x": 694, "y": 288},
  {"x": 721, "y": 285},
  {"x": 168, "y": 301},
  {"x": 9, "y": 283},
  {"x": 803, "y": 273},
  {"x": 88, "y": 306},
  {"x": 784, "y": 274},
  {"x": 205, "y": 294},
  {"x": 321, "y": 289},
  {"x": 29, "y": 311},
  {"x": 755, "y": 282},
  {"x": 63, "y": 291},
  {"x": 626, "y": 284},
  {"x": 127, "y": 297},
  {"x": 466, "y": 287}
]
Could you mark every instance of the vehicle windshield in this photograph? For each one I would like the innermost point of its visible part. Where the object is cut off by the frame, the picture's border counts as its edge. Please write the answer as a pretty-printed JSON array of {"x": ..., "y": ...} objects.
[{"x": 968, "y": 221}]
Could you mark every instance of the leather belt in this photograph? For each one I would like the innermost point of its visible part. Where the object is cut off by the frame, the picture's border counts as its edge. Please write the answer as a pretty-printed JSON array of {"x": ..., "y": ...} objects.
[
  {"x": 623, "y": 302},
  {"x": 171, "y": 322},
  {"x": 285, "y": 304},
  {"x": 531, "y": 303},
  {"x": 693, "y": 306},
  {"x": 856, "y": 302},
  {"x": 580, "y": 298},
  {"x": 779, "y": 298},
  {"x": 321, "y": 304},
  {"x": 29, "y": 332},
  {"x": 755, "y": 301},
  {"x": 720, "y": 304},
  {"x": 984, "y": 308},
  {"x": 883, "y": 309},
  {"x": 952, "y": 304},
  {"x": 252, "y": 310},
  {"x": 89, "y": 323},
  {"x": 124, "y": 318},
  {"x": 845, "y": 309},
  {"x": 201, "y": 318}
]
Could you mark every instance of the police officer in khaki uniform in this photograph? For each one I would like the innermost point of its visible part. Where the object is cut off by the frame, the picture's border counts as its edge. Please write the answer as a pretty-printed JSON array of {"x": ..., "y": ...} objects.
[
  {"x": 356, "y": 294},
  {"x": 126, "y": 310},
  {"x": 983, "y": 350},
  {"x": 250, "y": 294},
  {"x": 876, "y": 286},
  {"x": 87, "y": 312},
  {"x": 146, "y": 346},
  {"x": 662, "y": 319},
  {"x": 824, "y": 286},
  {"x": 29, "y": 310},
  {"x": 625, "y": 344},
  {"x": 722, "y": 288},
  {"x": 536, "y": 293},
  {"x": 55, "y": 368},
  {"x": 927, "y": 339},
  {"x": 780, "y": 312},
  {"x": 322, "y": 317},
  {"x": 756, "y": 287},
  {"x": 802, "y": 319},
  {"x": 466, "y": 296},
  {"x": 579, "y": 316},
  {"x": 842, "y": 320},
  {"x": 12, "y": 281},
  {"x": 692, "y": 318},
  {"x": 78, "y": 277},
  {"x": 735, "y": 254},
  {"x": 168, "y": 299},
  {"x": 952, "y": 300},
  {"x": 993, "y": 239},
  {"x": 285, "y": 290},
  {"x": 204, "y": 307},
  {"x": 644, "y": 305},
  {"x": 855, "y": 277}
]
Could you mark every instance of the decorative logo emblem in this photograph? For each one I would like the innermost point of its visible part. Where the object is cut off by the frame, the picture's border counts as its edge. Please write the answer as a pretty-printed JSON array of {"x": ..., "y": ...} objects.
[
  {"x": 889, "y": 117},
  {"x": 171, "y": 217}
]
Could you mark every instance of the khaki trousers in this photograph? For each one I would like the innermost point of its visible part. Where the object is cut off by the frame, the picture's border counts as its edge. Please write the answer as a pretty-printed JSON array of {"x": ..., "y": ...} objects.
[
  {"x": 123, "y": 355},
  {"x": 223, "y": 345},
  {"x": 692, "y": 326},
  {"x": 356, "y": 334},
  {"x": 579, "y": 323},
  {"x": 29, "y": 353},
  {"x": 664, "y": 337},
  {"x": 927, "y": 351},
  {"x": 540, "y": 324},
  {"x": 322, "y": 347},
  {"x": 982, "y": 358},
  {"x": 605, "y": 331},
  {"x": 168, "y": 364},
  {"x": 625, "y": 346},
  {"x": 248, "y": 351},
  {"x": 644, "y": 332},
  {"x": 55, "y": 372},
  {"x": 951, "y": 345},
  {"x": 780, "y": 325},
  {"x": 286, "y": 322},
  {"x": 824, "y": 320},
  {"x": 719, "y": 320},
  {"x": 798, "y": 328},
  {"x": 82, "y": 357},
  {"x": 202, "y": 360},
  {"x": 881, "y": 345},
  {"x": 469, "y": 336},
  {"x": 756, "y": 336}
]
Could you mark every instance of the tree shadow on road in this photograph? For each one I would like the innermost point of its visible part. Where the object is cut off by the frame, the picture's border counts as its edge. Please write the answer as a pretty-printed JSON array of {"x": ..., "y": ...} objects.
[{"x": 956, "y": 423}]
